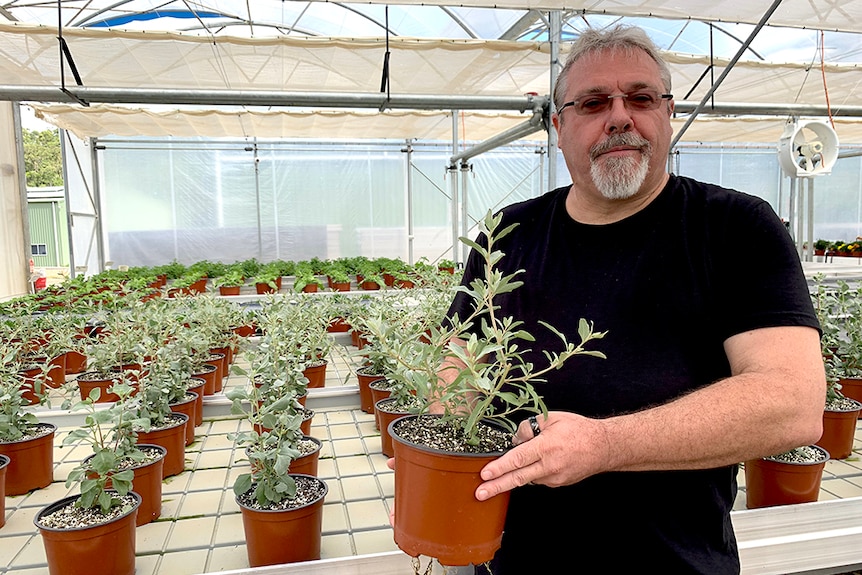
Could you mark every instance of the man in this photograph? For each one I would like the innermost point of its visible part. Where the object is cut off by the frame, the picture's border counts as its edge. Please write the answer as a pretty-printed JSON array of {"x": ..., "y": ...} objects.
[{"x": 712, "y": 357}]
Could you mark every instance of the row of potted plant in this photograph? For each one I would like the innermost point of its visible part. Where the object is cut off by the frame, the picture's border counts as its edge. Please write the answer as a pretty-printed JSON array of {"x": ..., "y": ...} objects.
[
  {"x": 838, "y": 247},
  {"x": 795, "y": 476}
]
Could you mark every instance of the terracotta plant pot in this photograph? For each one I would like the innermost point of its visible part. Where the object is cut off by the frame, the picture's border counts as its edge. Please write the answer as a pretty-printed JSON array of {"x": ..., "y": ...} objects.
[
  {"x": 76, "y": 362},
  {"x": 90, "y": 380},
  {"x": 32, "y": 461},
  {"x": 283, "y": 536},
  {"x": 340, "y": 286},
  {"x": 33, "y": 384},
  {"x": 316, "y": 375},
  {"x": 4, "y": 464},
  {"x": 338, "y": 325},
  {"x": 197, "y": 386},
  {"x": 105, "y": 549},
  {"x": 378, "y": 392},
  {"x": 306, "y": 464},
  {"x": 188, "y": 406},
  {"x": 173, "y": 439},
  {"x": 851, "y": 387},
  {"x": 769, "y": 483},
  {"x": 387, "y": 414},
  {"x": 310, "y": 288},
  {"x": 244, "y": 330},
  {"x": 56, "y": 375},
  {"x": 263, "y": 288},
  {"x": 148, "y": 484},
  {"x": 228, "y": 290},
  {"x": 219, "y": 360},
  {"x": 208, "y": 373},
  {"x": 839, "y": 428},
  {"x": 365, "y": 379},
  {"x": 436, "y": 511}
]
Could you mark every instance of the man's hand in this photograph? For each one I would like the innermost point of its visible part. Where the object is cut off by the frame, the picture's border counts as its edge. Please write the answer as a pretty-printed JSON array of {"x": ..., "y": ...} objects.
[{"x": 567, "y": 449}]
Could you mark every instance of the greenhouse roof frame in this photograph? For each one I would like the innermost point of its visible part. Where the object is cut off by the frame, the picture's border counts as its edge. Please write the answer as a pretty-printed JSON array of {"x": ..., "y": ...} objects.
[{"x": 755, "y": 101}]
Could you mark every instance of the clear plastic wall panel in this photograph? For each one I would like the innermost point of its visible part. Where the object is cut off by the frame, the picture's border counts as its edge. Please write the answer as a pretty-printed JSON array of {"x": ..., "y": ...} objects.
[
  {"x": 432, "y": 205},
  {"x": 500, "y": 178},
  {"x": 837, "y": 196},
  {"x": 171, "y": 202},
  {"x": 838, "y": 202},
  {"x": 332, "y": 203}
]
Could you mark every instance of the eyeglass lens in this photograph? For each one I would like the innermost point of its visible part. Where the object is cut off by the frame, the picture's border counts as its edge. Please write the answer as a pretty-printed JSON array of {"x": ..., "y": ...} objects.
[{"x": 597, "y": 103}]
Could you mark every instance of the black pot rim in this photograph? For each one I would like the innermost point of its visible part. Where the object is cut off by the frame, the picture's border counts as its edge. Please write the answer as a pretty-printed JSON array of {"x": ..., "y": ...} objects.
[
  {"x": 4, "y": 460},
  {"x": 51, "y": 507},
  {"x": 395, "y": 437},
  {"x": 307, "y": 505}
]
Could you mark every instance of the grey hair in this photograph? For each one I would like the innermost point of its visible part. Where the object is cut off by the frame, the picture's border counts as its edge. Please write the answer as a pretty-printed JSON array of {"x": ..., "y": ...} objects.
[{"x": 620, "y": 37}]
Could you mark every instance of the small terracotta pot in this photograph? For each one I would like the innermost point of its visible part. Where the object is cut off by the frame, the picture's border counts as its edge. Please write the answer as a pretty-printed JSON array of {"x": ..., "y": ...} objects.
[
  {"x": 76, "y": 362},
  {"x": 208, "y": 373},
  {"x": 90, "y": 380},
  {"x": 316, "y": 375},
  {"x": 174, "y": 440},
  {"x": 436, "y": 510},
  {"x": 105, "y": 549},
  {"x": 283, "y": 536},
  {"x": 377, "y": 393},
  {"x": 148, "y": 484},
  {"x": 770, "y": 483},
  {"x": 188, "y": 406},
  {"x": 32, "y": 461},
  {"x": 851, "y": 387},
  {"x": 56, "y": 375},
  {"x": 387, "y": 415},
  {"x": 263, "y": 288},
  {"x": 839, "y": 428},
  {"x": 306, "y": 464},
  {"x": 366, "y": 402},
  {"x": 196, "y": 385},
  {"x": 228, "y": 290},
  {"x": 220, "y": 361}
]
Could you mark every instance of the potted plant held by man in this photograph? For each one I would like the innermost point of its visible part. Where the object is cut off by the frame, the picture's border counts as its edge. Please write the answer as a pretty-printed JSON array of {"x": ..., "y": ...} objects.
[{"x": 436, "y": 512}]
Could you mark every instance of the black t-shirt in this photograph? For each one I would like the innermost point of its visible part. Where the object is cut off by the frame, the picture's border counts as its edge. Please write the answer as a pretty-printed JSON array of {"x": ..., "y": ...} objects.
[{"x": 669, "y": 284}]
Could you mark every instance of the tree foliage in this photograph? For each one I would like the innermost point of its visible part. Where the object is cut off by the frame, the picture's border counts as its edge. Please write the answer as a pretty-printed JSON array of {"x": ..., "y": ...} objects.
[{"x": 42, "y": 159}]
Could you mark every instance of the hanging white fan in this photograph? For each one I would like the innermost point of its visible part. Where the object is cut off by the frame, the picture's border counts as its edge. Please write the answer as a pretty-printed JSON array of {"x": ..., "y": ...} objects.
[{"x": 808, "y": 148}]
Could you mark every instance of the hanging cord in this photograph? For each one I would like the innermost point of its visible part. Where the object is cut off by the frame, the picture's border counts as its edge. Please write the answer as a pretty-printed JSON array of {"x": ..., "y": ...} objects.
[
  {"x": 384, "y": 81},
  {"x": 823, "y": 73}
]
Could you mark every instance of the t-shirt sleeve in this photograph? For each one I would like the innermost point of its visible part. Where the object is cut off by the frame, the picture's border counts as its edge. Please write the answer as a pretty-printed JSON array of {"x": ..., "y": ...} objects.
[{"x": 760, "y": 281}]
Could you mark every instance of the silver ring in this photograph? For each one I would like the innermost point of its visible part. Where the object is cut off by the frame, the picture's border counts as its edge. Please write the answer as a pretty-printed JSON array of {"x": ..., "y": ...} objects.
[{"x": 534, "y": 425}]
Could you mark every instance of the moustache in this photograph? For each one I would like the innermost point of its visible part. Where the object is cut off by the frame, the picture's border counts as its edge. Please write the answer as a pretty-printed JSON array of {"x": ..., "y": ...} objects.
[{"x": 626, "y": 139}]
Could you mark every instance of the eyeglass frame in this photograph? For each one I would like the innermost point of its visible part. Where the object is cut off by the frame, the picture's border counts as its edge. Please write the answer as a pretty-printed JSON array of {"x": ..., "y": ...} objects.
[{"x": 625, "y": 96}]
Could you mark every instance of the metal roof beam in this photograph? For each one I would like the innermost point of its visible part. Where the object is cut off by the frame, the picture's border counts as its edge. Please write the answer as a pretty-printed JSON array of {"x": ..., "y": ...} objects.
[{"x": 269, "y": 98}]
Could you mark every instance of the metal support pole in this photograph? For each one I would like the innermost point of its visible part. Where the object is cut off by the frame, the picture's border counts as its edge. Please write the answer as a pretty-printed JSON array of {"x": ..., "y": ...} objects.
[
  {"x": 453, "y": 187},
  {"x": 810, "y": 251},
  {"x": 408, "y": 185},
  {"x": 555, "y": 32},
  {"x": 97, "y": 200},
  {"x": 706, "y": 97},
  {"x": 465, "y": 216},
  {"x": 257, "y": 201}
]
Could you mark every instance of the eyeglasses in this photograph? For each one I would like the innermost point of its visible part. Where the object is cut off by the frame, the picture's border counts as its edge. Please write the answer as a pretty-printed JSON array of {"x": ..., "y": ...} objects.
[{"x": 637, "y": 101}]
